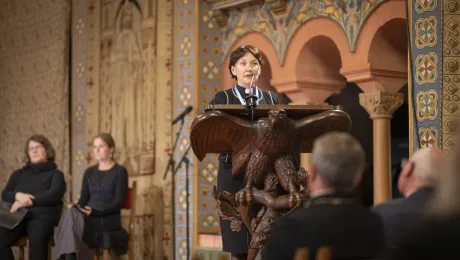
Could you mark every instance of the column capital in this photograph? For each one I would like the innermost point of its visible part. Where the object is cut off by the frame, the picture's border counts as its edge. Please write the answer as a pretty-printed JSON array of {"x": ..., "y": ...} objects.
[{"x": 381, "y": 104}]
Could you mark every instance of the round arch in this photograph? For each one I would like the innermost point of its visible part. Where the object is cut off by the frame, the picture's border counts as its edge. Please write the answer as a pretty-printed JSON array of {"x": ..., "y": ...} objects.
[
  {"x": 318, "y": 27},
  {"x": 383, "y": 14},
  {"x": 313, "y": 61},
  {"x": 319, "y": 61},
  {"x": 268, "y": 51}
]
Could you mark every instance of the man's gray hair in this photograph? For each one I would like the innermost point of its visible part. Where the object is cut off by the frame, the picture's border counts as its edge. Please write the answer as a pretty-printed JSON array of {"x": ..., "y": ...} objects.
[
  {"x": 338, "y": 158},
  {"x": 427, "y": 164}
]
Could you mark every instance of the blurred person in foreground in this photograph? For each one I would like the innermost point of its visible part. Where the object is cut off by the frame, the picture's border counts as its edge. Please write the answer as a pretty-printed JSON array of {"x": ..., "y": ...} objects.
[
  {"x": 437, "y": 236},
  {"x": 416, "y": 183},
  {"x": 331, "y": 217}
]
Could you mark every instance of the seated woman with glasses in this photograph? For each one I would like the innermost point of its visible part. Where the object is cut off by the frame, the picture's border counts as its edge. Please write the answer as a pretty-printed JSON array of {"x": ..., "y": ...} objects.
[
  {"x": 245, "y": 67},
  {"x": 39, "y": 186}
]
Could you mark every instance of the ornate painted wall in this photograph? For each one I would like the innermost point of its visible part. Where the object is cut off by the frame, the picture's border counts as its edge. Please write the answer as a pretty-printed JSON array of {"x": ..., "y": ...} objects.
[
  {"x": 450, "y": 82},
  {"x": 279, "y": 29},
  {"x": 185, "y": 94},
  {"x": 120, "y": 69},
  {"x": 435, "y": 59},
  {"x": 426, "y": 55},
  {"x": 34, "y": 86},
  {"x": 210, "y": 75}
]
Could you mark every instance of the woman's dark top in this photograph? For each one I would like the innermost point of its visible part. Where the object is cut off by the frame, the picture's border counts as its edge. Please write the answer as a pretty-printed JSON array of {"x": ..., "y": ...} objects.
[
  {"x": 235, "y": 242},
  {"x": 42, "y": 180},
  {"x": 105, "y": 193}
]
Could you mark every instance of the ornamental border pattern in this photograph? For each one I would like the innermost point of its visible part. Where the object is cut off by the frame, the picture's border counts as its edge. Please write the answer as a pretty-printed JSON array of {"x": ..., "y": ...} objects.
[
  {"x": 210, "y": 80},
  {"x": 450, "y": 14},
  {"x": 185, "y": 68},
  {"x": 280, "y": 29},
  {"x": 427, "y": 60},
  {"x": 79, "y": 81}
]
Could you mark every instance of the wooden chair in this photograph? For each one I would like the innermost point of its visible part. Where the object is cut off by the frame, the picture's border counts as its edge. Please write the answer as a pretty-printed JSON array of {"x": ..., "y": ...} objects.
[
  {"x": 324, "y": 253},
  {"x": 130, "y": 204},
  {"x": 21, "y": 243}
]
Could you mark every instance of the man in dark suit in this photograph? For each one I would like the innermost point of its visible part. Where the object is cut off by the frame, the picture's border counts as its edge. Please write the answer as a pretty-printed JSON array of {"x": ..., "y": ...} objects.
[
  {"x": 416, "y": 183},
  {"x": 331, "y": 218}
]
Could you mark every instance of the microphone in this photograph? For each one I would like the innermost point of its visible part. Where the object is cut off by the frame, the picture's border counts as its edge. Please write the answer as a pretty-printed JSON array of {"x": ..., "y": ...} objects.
[
  {"x": 182, "y": 115},
  {"x": 250, "y": 99}
]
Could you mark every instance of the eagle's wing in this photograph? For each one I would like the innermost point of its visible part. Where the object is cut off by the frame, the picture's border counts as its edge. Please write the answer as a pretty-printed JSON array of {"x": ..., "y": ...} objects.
[
  {"x": 218, "y": 132},
  {"x": 309, "y": 128}
]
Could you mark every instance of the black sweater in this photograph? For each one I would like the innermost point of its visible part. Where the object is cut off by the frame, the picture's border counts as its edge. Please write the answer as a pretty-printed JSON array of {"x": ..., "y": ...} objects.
[
  {"x": 104, "y": 191},
  {"x": 44, "y": 181}
]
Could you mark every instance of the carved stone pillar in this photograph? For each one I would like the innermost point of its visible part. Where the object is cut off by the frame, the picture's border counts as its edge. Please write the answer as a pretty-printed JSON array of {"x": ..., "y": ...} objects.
[{"x": 381, "y": 106}]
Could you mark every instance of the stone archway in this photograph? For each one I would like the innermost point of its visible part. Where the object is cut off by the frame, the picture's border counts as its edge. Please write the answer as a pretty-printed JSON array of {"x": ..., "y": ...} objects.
[
  {"x": 379, "y": 68},
  {"x": 311, "y": 71},
  {"x": 318, "y": 68},
  {"x": 362, "y": 66}
]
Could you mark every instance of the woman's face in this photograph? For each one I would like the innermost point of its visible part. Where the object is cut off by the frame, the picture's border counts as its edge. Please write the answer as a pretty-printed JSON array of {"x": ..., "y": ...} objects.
[
  {"x": 102, "y": 152},
  {"x": 244, "y": 68},
  {"x": 36, "y": 152}
]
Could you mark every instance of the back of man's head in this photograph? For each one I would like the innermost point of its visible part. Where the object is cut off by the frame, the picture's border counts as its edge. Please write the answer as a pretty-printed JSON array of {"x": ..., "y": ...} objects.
[
  {"x": 338, "y": 158},
  {"x": 425, "y": 165}
]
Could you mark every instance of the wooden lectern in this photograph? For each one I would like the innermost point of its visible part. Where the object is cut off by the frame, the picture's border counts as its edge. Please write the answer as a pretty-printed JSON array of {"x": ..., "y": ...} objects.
[{"x": 266, "y": 147}]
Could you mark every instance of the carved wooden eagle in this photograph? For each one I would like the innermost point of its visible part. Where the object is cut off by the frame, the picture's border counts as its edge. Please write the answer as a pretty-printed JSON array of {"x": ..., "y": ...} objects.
[{"x": 268, "y": 144}]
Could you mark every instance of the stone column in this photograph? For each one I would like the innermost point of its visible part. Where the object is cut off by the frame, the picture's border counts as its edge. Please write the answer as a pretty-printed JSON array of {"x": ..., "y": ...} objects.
[{"x": 381, "y": 106}]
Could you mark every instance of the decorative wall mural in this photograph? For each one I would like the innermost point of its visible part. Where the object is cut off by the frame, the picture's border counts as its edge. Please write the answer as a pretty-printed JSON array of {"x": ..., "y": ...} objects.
[
  {"x": 279, "y": 29},
  {"x": 185, "y": 90},
  {"x": 426, "y": 75},
  {"x": 114, "y": 90},
  {"x": 210, "y": 82},
  {"x": 450, "y": 81}
]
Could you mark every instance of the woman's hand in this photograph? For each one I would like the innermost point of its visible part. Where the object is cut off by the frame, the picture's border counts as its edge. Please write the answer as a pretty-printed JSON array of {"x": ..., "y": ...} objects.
[
  {"x": 69, "y": 206},
  {"x": 16, "y": 206},
  {"x": 87, "y": 210},
  {"x": 24, "y": 198}
]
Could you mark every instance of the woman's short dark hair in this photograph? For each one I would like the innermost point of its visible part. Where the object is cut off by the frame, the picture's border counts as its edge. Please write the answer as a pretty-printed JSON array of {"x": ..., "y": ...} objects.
[
  {"x": 240, "y": 52},
  {"x": 108, "y": 139},
  {"x": 50, "y": 152}
]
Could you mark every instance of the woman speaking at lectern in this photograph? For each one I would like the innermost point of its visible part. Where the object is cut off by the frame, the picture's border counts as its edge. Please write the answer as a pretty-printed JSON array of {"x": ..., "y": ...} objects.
[{"x": 244, "y": 66}]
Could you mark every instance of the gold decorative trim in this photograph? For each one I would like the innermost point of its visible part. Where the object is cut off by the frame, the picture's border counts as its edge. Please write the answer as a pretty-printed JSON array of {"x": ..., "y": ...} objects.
[
  {"x": 277, "y": 6},
  {"x": 409, "y": 84},
  {"x": 196, "y": 75},
  {"x": 174, "y": 89},
  {"x": 226, "y": 5}
]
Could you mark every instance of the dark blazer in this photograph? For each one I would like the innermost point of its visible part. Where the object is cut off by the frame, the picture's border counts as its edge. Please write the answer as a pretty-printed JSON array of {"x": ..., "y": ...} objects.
[
  {"x": 336, "y": 221},
  {"x": 433, "y": 238},
  {"x": 400, "y": 215}
]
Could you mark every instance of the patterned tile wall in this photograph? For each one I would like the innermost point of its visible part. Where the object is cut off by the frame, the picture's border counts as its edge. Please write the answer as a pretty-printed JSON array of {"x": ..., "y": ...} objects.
[
  {"x": 426, "y": 73},
  {"x": 279, "y": 29},
  {"x": 209, "y": 84},
  {"x": 451, "y": 72},
  {"x": 79, "y": 83},
  {"x": 185, "y": 70}
]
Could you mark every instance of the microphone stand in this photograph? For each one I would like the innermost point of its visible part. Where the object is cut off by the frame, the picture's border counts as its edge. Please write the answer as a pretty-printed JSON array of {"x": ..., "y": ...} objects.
[
  {"x": 171, "y": 165},
  {"x": 187, "y": 213}
]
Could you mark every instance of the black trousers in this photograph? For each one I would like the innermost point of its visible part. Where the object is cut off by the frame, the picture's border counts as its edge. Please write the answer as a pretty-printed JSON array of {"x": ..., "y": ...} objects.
[{"x": 39, "y": 230}]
